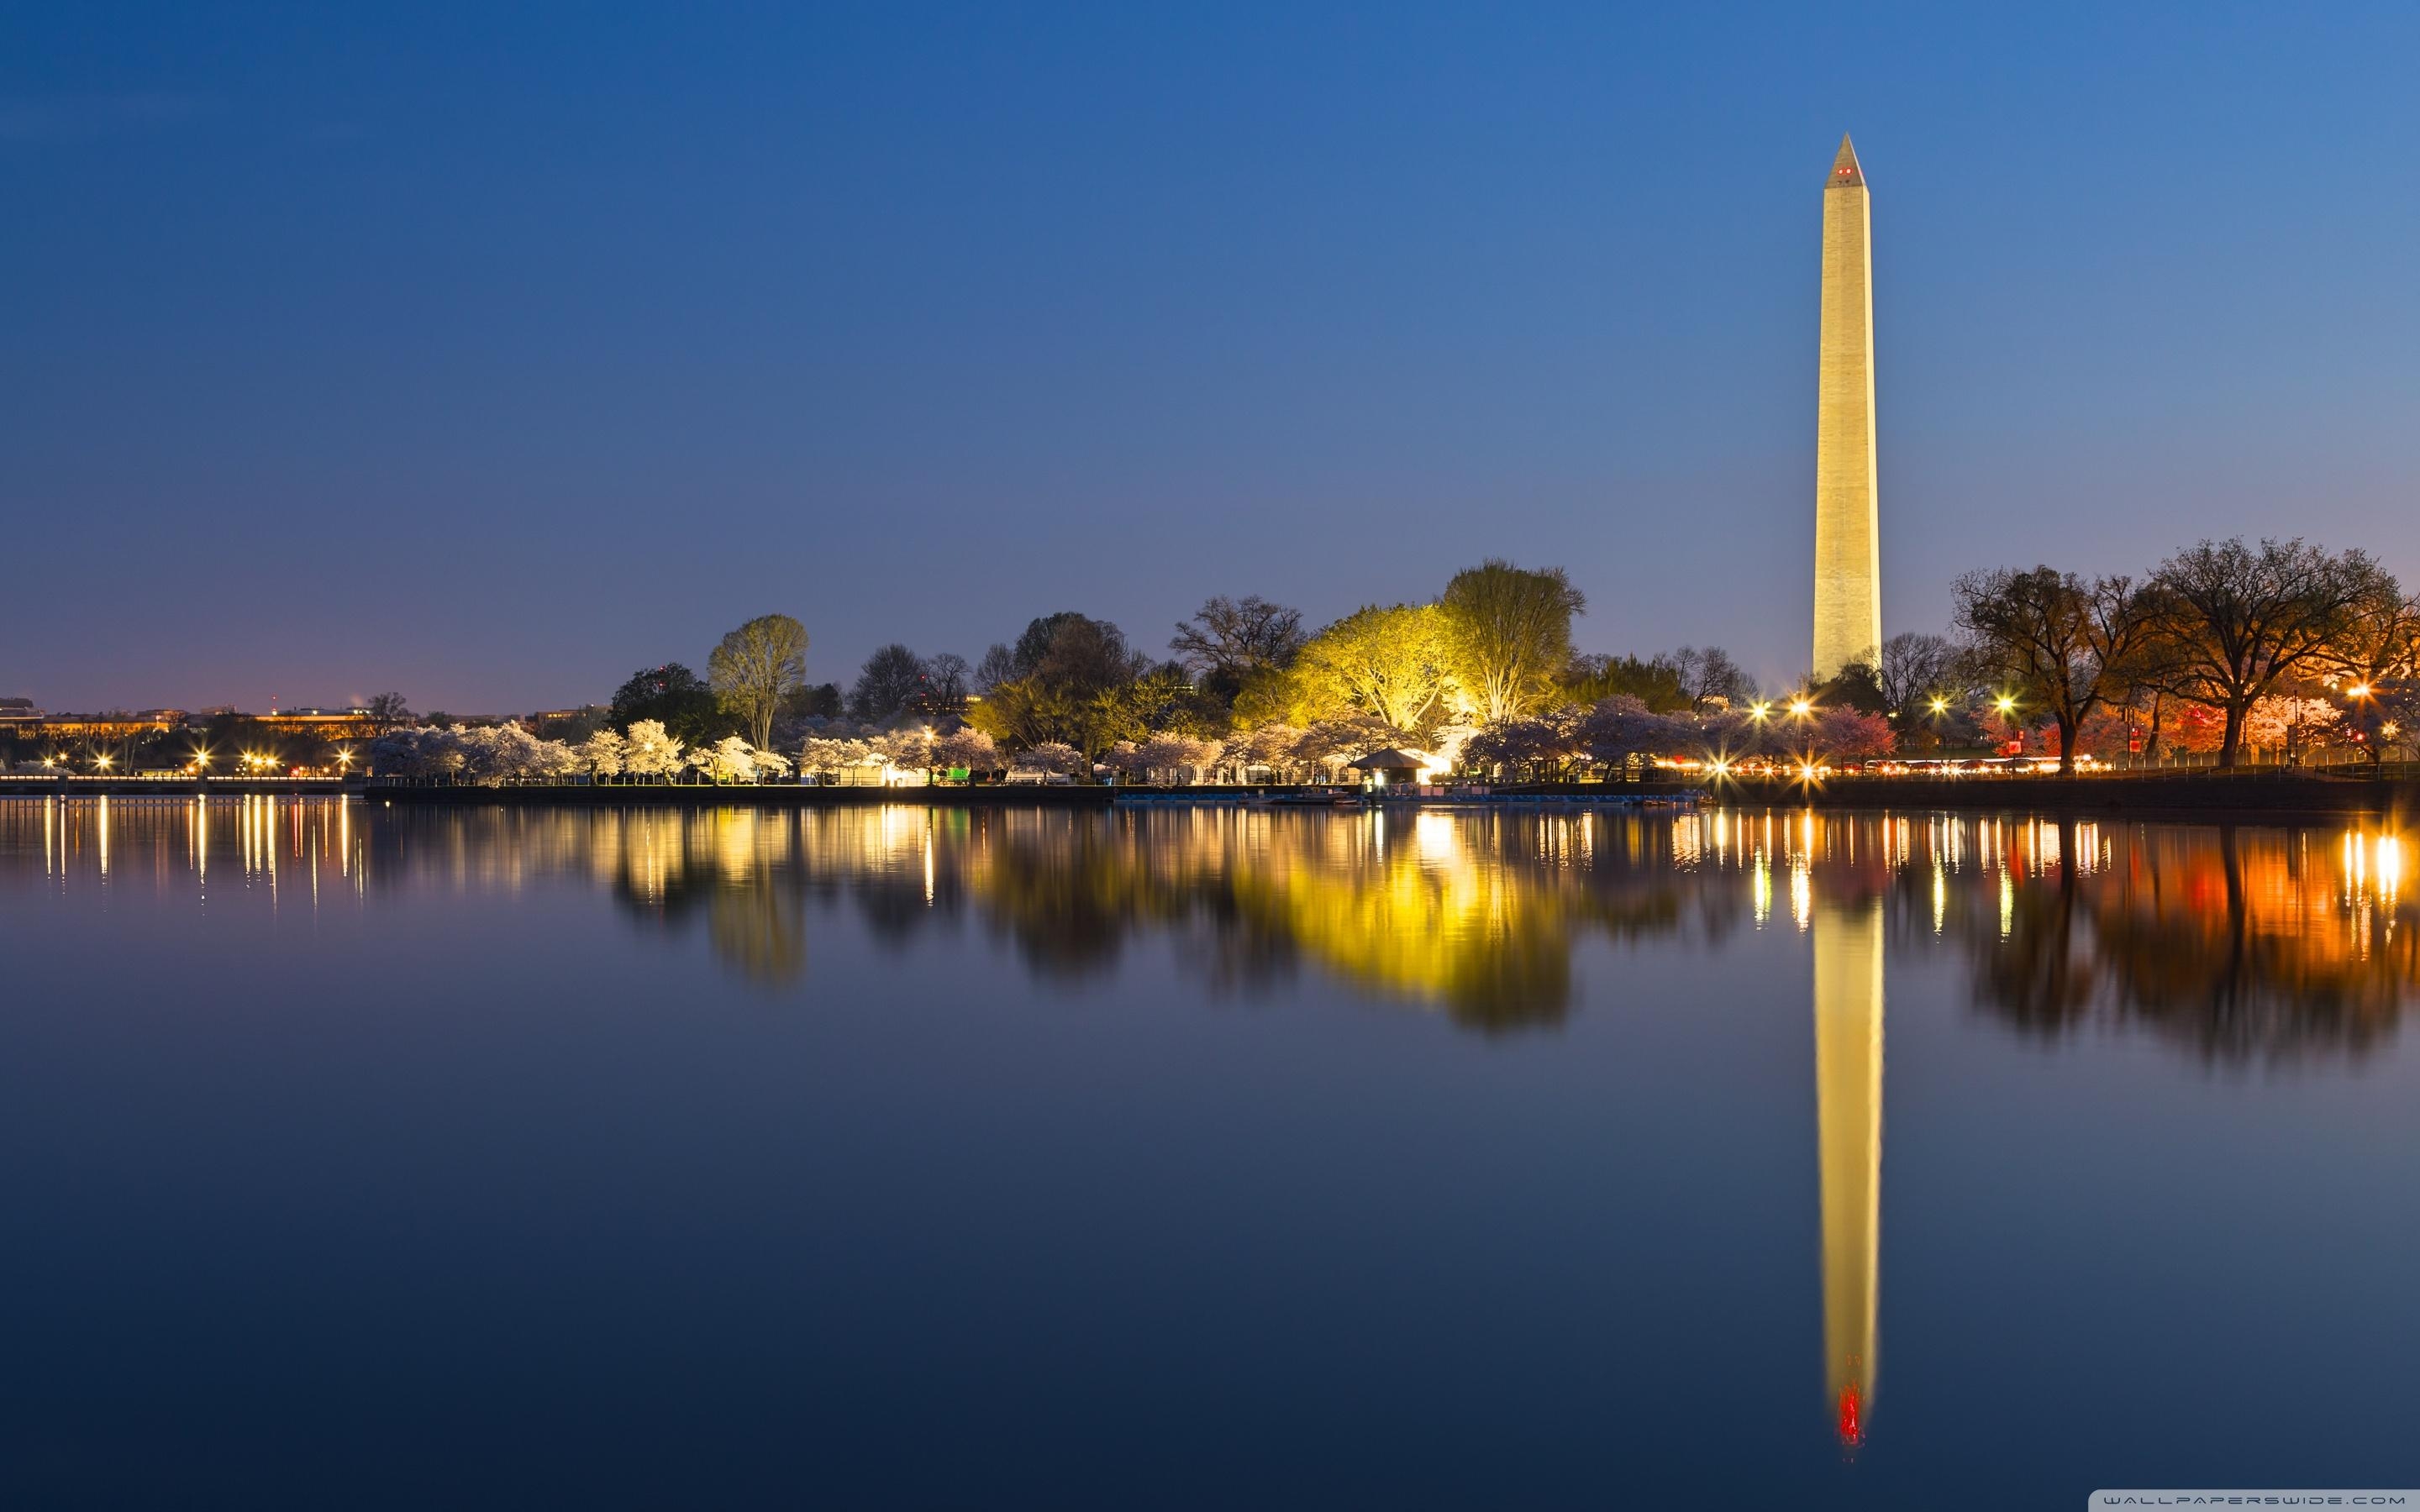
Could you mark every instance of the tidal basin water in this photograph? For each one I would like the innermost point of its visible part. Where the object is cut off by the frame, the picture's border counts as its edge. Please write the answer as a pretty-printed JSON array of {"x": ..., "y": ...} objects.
[{"x": 373, "y": 1156}]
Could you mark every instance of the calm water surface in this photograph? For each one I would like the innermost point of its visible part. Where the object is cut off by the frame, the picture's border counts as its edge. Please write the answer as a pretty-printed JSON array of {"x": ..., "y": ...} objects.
[{"x": 359, "y": 1155}]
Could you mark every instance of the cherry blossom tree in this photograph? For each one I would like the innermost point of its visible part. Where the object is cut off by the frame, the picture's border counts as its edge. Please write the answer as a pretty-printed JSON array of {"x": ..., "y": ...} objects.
[
  {"x": 908, "y": 750},
  {"x": 968, "y": 749},
  {"x": 1622, "y": 727},
  {"x": 2288, "y": 723},
  {"x": 650, "y": 750},
  {"x": 1841, "y": 734},
  {"x": 1053, "y": 756},
  {"x": 728, "y": 759},
  {"x": 605, "y": 752},
  {"x": 827, "y": 756}
]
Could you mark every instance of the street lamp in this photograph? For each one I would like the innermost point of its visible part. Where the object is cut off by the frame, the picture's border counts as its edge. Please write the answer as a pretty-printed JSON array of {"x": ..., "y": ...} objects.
[
  {"x": 2005, "y": 704},
  {"x": 1759, "y": 711},
  {"x": 1801, "y": 708},
  {"x": 2358, "y": 691},
  {"x": 1940, "y": 705}
]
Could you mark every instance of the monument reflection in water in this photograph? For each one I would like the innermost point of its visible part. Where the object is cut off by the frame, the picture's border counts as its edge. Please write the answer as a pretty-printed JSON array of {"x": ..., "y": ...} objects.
[
  {"x": 2236, "y": 945},
  {"x": 1849, "y": 1145}
]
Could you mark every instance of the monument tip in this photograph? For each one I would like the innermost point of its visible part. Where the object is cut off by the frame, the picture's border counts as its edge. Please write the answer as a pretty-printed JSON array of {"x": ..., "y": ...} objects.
[{"x": 1845, "y": 171}]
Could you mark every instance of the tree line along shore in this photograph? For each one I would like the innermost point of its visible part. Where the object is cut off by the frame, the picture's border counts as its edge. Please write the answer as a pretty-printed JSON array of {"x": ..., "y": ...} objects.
[{"x": 2226, "y": 654}]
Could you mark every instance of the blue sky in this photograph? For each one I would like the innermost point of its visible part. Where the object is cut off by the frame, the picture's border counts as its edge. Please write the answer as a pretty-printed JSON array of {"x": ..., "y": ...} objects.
[{"x": 489, "y": 352}]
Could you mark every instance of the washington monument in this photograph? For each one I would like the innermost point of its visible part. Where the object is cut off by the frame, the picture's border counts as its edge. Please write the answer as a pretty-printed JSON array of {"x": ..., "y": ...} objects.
[{"x": 1848, "y": 548}]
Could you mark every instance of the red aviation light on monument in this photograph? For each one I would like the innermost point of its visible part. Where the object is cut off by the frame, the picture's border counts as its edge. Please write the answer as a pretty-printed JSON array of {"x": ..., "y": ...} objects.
[
  {"x": 1852, "y": 1417},
  {"x": 1846, "y": 171}
]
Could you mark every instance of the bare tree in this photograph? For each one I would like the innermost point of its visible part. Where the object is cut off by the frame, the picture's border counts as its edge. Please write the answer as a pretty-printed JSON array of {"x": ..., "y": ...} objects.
[
  {"x": 388, "y": 712},
  {"x": 945, "y": 683},
  {"x": 1708, "y": 675},
  {"x": 1916, "y": 669},
  {"x": 998, "y": 665},
  {"x": 756, "y": 666},
  {"x": 2057, "y": 638},
  {"x": 2234, "y": 621},
  {"x": 892, "y": 676},
  {"x": 1230, "y": 640},
  {"x": 2380, "y": 639}
]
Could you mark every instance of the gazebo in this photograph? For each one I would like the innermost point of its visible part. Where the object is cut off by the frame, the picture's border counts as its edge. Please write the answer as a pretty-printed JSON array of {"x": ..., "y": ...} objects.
[{"x": 1391, "y": 766}]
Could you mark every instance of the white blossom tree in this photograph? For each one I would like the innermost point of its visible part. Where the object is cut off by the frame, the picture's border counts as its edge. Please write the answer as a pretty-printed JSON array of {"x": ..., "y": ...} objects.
[
  {"x": 728, "y": 759},
  {"x": 2288, "y": 723},
  {"x": 909, "y": 750},
  {"x": 1053, "y": 756},
  {"x": 829, "y": 756},
  {"x": 1173, "y": 759},
  {"x": 491, "y": 753},
  {"x": 605, "y": 752},
  {"x": 967, "y": 748},
  {"x": 1272, "y": 745},
  {"x": 1330, "y": 744},
  {"x": 508, "y": 752},
  {"x": 421, "y": 750},
  {"x": 650, "y": 750},
  {"x": 558, "y": 759}
]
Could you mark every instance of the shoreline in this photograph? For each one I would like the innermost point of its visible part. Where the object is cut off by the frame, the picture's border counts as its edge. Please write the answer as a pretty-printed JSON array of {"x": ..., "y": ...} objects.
[{"x": 2252, "y": 795}]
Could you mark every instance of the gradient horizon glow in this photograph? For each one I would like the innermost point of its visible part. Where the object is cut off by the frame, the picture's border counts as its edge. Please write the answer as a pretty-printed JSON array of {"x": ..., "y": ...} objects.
[{"x": 489, "y": 356}]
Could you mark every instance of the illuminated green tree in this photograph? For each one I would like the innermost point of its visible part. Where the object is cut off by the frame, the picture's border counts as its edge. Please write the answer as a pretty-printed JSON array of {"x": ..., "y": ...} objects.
[
  {"x": 1393, "y": 663},
  {"x": 756, "y": 666},
  {"x": 1508, "y": 632}
]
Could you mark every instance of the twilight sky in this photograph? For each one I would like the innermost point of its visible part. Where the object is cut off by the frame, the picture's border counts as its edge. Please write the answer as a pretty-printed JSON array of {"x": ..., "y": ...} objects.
[{"x": 490, "y": 353}]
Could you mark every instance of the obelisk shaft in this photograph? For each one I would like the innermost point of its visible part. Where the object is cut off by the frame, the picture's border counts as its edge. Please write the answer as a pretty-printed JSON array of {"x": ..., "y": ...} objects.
[{"x": 1848, "y": 546}]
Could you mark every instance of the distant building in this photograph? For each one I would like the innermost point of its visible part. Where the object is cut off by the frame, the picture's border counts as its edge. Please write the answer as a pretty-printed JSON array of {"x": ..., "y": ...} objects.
[
  {"x": 117, "y": 725},
  {"x": 349, "y": 724},
  {"x": 19, "y": 710}
]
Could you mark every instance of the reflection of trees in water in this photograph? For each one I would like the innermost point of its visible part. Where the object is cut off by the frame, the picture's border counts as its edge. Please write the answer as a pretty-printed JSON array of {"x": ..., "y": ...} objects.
[
  {"x": 1478, "y": 913},
  {"x": 2239, "y": 942},
  {"x": 1065, "y": 895},
  {"x": 734, "y": 866}
]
